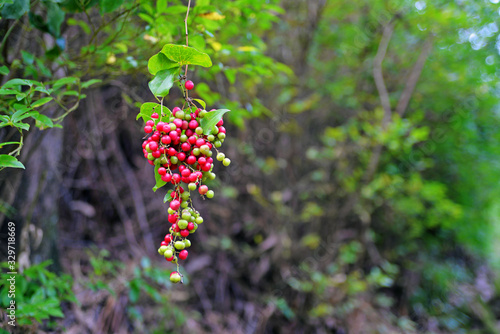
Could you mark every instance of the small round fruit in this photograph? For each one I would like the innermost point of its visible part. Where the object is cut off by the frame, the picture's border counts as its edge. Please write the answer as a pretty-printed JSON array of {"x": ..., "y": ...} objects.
[
  {"x": 189, "y": 85},
  {"x": 183, "y": 254},
  {"x": 203, "y": 189},
  {"x": 175, "y": 205},
  {"x": 192, "y": 186},
  {"x": 175, "y": 277},
  {"x": 210, "y": 194},
  {"x": 183, "y": 224},
  {"x": 187, "y": 243},
  {"x": 226, "y": 162},
  {"x": 179, "y": 245},
  {"x": 220, "y": 156},
  {"x": 168, "y": 253},
  {"x": 198, "y": 220}
]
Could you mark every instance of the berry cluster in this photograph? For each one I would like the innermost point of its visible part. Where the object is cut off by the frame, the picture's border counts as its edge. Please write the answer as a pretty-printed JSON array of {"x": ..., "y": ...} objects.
[{"x": 182, "y": 155}]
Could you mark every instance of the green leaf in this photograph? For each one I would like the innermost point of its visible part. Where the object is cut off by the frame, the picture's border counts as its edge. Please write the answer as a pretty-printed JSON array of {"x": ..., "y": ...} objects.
[
  {"x": 10, "y": 161},
  {"x": 18, "y": 82},
  {"x": 41, "y": 102},
  {"x": 43, "y": 90},
  {"x": 211, "y": 119},
  {"x": 73, "y": 22},
  {"x": 16, "y": 9},
  {"x": 18, "y": 114},
  {"x": 38, "y": 22},
  {"x": 147, "y": 110},
  {"x": 185, "y": 55},
  {"x": 162, "y": 82},
  {"x": 43, "y": 120},
  {"x": 108, "y": 6},
  {"x": 4, "y": 91},
  {"x": 201, "y": 102},
  {"x": 55, "y": 17},
  {"x": 91, "y": 82},
  {"x": 4, "y": 70},
  {"x": 28, "y": 58},
  {"x": 64, "y": 81},
  {"x": 159, "y": 182},
  {"x": 160, "y": 62}
]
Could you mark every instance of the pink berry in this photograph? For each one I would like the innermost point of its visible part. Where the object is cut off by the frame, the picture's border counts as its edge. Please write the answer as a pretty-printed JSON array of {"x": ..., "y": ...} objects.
[
  {"x": 189, "y": 85},
  {"x": 148, "y": 129},
  {"x": 175, "y": 204}
]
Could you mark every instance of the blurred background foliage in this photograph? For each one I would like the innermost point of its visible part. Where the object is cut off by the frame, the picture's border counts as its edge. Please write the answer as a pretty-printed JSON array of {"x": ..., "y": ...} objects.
[{"x": 361, "y": 194}]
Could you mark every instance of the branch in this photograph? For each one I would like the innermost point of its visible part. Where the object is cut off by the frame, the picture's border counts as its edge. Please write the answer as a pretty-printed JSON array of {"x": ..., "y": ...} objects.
[
  {"x": 404, "y": 100},
  {"x": 377, "y": 72}
]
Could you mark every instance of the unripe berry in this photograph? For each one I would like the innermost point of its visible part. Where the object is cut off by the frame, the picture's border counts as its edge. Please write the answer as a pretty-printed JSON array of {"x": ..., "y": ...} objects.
[
  {"x": 210, "y": 194},
  {"x": 191, "y": 186},
  {"x": 175, "y": 277},
  {"x": 168, "y": 253},
  {"x": 183, "y": 224},
  {"x": 226, "y": 162},
  {"x": 179, "y": 245},
  {"x": 198, "y": 220},
  {"x": 187, "y": 243},
  {"x": 162, "y": 249}
]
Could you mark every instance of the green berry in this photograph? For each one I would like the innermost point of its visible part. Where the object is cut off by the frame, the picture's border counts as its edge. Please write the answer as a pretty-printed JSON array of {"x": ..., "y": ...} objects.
[
  {"x": 179, "y": 245},
  {"x": 174, "y": 160},
  {"x": 185, "y": 195},
  {"x": 183, "y": 224},
  {"x": 184, "y": 204},
  {"x": 199, "y": 220},
  {"x": 199, "y": 130},
  {"x": 187, "y": 243},
  {"x": 211, "y": 138},
  {"x": 170, "y": 211},
  {"x": 179, "y": 114},
  {"x": 220, "y": 156},
  {"x": 183, "y": 138},
  {"x": 226, "y": 162},
  {"x": 196, "y": 151},
  {"x": 192, "y": 186},
  {"x": 217, "y": 143},
  {"x": 221, "y": 135},
  {"x": 162, "y": 249},
  {"x": 168, "y": 253},
  {"x": 186, "y": 215},
  {"x": 150, "y": 156},
  {"x": 175, "y": 277},
  {"x": 210, "y": 194}
]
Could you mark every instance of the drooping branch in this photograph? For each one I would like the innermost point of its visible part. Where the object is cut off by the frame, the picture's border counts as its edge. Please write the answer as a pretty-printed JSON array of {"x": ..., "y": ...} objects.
[{"x": 404, "y": 100}]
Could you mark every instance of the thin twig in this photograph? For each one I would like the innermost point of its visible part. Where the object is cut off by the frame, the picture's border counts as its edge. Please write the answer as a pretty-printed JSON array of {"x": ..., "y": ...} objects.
[
  {"x": 404, "y": 100},
  {"x": 377, "y": 72},
  {"x": 187, "y": 38}
]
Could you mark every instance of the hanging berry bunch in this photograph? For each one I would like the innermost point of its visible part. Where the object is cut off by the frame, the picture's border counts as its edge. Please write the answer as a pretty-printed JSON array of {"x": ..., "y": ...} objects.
[{"x": 181, "y": 145}]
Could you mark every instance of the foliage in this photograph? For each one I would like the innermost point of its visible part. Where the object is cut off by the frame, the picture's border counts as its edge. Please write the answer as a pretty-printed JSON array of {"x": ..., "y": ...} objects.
[{"x": 39, "y": 294}]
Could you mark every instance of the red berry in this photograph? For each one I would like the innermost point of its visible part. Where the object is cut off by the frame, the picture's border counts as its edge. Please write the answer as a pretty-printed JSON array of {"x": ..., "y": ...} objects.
[
  {"x": 176, "y": 109},
  {"x": 175, "y": 204},
  {"x": 178, "y": 122},
  {"x": 148, "y": 129},
  {"x": 183, "y": 254},
  {"x": 206, "y": 167},
  {"x": 193, "y": 124},
  {"x": 156, "y": 154},
  {"x": 173, "y": 135},
  {"x": 190, "y": 226},
  {"x": 170, "y": 258},
  {"x": 222, "y": 129},
  {"x": 168, "y": 238},
  {"x": 220, "y": 122},
  {"x": 181, "y": 156},
  {"x": 150, "y": 123},
  {"x": 189, "y": 85},
  {"x": 192, "y": 140},
  {"x": 154, "y": 115},
  {"x": 166, "y": 177},
  {"x": 153, "y": 146},
  {"x": 189, "y": 133},
  {"x": 202, "y": 190},
  {"x": 186, "y": 173},
  {"x": 164, "y": 243},
  {"x": 200, "y": 142},
  {"x": 185, "y": 146},
  {"x": 172, "y": 151},
  {"x": 191, "y": 159},
  {"x": 176, "y": 178},
  {"x": 202, "y": 160},
  {"x": 185, "y": 125},
  {"x": 166, "y": 140},
  {"x": 184, "y": 233},
  {"x": 162, "y": 171}
]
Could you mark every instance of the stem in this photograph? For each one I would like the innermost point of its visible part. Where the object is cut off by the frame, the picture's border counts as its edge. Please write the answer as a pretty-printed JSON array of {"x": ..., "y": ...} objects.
[
  {"x": 187, "y": 38},
  {"x": 7, "y": 36}
]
